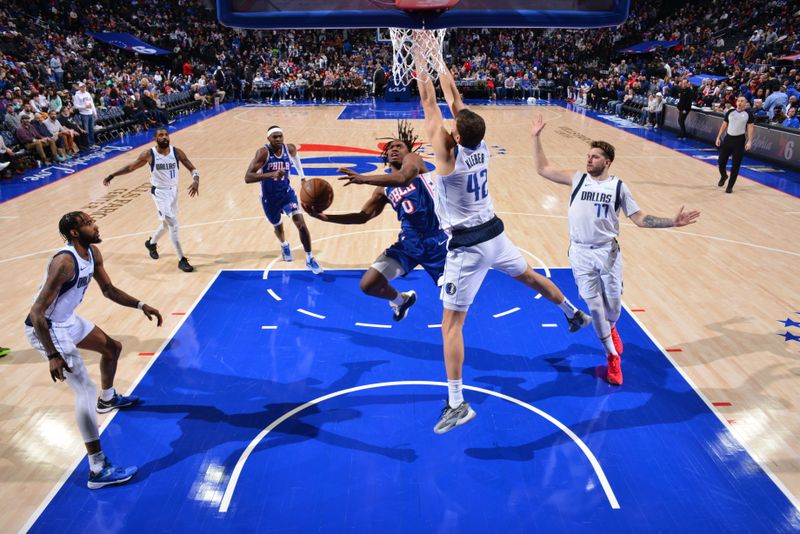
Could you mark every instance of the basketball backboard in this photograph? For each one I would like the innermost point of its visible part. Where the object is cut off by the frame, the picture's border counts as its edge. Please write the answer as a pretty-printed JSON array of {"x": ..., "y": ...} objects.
[{"x": 281, "y": 14}]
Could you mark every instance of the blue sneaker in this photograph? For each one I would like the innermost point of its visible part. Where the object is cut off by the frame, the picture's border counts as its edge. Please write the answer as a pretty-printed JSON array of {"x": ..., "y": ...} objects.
[
  {"x": 314, "y": 266},
  {"x": 117, "y": 401},
  {"x": 286, "y": 252},
  {"x": 111, "y": 475}
]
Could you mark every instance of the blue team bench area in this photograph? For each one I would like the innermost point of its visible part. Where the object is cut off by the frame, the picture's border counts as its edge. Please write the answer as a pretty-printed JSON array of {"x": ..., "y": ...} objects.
[{"x": 296, "y": 404}]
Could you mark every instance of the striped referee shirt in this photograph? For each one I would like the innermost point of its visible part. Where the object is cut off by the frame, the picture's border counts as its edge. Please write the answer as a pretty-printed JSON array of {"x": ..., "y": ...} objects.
[{"x": 738, "y": 121}]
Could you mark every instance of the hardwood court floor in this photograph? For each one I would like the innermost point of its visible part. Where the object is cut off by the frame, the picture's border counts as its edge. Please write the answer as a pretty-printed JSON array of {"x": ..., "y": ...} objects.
[{"x": 715, "y": 290}]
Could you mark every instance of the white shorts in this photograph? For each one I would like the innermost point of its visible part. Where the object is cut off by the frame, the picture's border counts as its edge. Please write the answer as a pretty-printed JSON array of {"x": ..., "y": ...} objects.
[
  {"x": 466, "y": 268},
  {"x": 166, "y": 199},
  {"x": 597, "y": 271},
  {"x": 66, "y": 337}
]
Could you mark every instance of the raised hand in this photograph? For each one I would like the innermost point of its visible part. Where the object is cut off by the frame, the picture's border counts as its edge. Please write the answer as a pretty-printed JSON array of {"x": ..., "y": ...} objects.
[{"x": 685, "y": 218}]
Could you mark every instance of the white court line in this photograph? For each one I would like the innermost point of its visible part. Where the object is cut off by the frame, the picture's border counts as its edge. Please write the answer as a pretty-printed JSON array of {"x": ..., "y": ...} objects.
[
  {"x": 371, "y": 325},
  {"x": 434, "y": 326},
  {"x": 269, "y": 327},
  {"x": 237, "y": 470},
  {"x": 9, "y": 217},
  {"x": 549, "y": 325},
  {"x": 274, "y": 295},
  {"x": 713, "y": 410},
  {"x": 105, "y": 424},
  {"x": 310, "y": 314},
  {"x": 321, "y": 239},
  {"x": 507, "y": 312}
]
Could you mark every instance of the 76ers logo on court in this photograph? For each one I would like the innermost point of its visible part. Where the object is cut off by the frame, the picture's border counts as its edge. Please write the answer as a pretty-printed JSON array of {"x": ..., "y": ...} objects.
[{"x": 360, "y": 160}]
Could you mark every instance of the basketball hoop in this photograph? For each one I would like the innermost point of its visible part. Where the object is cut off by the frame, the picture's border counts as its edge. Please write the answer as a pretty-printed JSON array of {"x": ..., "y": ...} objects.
[{"x": 427, "y": 44}]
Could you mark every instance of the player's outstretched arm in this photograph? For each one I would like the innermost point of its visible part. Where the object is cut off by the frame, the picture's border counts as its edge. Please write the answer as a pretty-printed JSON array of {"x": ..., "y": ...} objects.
[
  {"x": 138, "y": 163},
  {"x": 61, "y": 271},
  {"x": 113, "y": 293},
  {"x": 683, "y": 218},
  {"x": 440, "y": 139},
  {"x": 451, "y": 94},
  {"x": 194, "y": 187},
  {"x": 540, "y": 163},
  {"x": 371, "y": 209},
  {"x": 412, "y": 166},
  {"x": 254, "y": 173}
]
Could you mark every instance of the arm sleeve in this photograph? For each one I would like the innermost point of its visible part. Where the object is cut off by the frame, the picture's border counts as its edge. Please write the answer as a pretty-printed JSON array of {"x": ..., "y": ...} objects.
[{"x": 297, "y": 165}]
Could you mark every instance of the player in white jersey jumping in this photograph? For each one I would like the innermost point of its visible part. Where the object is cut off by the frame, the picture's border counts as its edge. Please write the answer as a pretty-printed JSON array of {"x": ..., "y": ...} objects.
[
  {"x": 478, "y": 241},
  {"x": 165, "y": 162},
  {"x": 594, "y": 253},
  {"x": 53, "y": 328}
]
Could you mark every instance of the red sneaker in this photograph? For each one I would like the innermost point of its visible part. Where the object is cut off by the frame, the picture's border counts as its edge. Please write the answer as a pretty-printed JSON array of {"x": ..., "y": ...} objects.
[
  {"x": 614, "y": 375},
  {"x": 616, "y": 340}
]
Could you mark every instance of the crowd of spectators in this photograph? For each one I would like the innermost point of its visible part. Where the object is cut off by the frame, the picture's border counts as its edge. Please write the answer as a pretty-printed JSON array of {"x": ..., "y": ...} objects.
[{"x": 54, "y": 77}]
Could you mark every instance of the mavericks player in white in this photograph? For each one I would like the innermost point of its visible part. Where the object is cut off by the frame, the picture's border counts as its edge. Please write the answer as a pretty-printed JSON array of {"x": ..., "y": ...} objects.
[
  {"x": 165, "y": 162},
  {"x": 594, "y": 253},
  {"x": 53, "y": 328},
  {"x": 478, "y": 241}
]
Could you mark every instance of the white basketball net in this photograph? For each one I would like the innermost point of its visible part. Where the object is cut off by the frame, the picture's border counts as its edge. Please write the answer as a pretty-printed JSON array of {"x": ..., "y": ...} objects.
[{"x": 426, "y": 45}]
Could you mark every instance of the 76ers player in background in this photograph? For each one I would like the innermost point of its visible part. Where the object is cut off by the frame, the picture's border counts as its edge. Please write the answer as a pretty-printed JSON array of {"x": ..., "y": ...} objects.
[
  {"x": 164, "y": 166},
  {"x": 271, "y": 167},
  {"x": 421, "y": 241},
  {"x": 594, "y": 253}
]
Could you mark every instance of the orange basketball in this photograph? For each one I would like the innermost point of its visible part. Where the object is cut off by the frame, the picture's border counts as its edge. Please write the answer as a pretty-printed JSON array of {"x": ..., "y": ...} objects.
[{"x": 316, "y": 192}]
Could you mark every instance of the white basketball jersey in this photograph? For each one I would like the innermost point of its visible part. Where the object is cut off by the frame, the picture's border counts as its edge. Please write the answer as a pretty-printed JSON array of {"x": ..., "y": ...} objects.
[
  {"x": 594, "y": 209},
  {"x": 164, "y": 168},
  {"x": 71, "y": 293},
  {"x": 462, "y": 197}
]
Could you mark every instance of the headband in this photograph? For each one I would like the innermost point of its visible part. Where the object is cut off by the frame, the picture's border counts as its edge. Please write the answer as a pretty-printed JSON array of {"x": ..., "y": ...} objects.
[{"x": 274, "y": 130}]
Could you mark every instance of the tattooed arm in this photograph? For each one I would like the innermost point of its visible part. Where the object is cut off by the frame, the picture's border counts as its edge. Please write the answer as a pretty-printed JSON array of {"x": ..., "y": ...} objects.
[{"x": 651, "y": 221}]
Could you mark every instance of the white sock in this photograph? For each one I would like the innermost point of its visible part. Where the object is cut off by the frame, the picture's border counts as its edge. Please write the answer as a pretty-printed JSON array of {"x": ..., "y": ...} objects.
[
  {"x": 454, "y": 394},
  {"x": 568, "y": 309},
  {"x": 309, "y": 256},
  {"x": 96, "y": 462},
  {"x": 107, "y": 394},
  {"x": 399, "y": 299},
  {"x": 285, "y": 244},
  {"x": 608, "y": 343}
]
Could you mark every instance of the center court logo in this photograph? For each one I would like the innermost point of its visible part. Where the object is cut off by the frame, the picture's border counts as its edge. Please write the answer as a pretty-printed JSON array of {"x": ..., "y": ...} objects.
[{"x": 359, "y": 160}]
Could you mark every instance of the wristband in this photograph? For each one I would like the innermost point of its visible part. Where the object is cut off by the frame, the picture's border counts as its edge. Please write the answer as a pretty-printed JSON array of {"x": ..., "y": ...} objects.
[
  {"x": 195, "y": 174},
  {"x": 53, "y": 356},
  {"x": 140, "y": 305}
]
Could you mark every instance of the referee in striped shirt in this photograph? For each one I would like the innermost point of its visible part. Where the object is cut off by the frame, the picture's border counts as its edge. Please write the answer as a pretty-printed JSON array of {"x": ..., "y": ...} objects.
[{"x": 736, "y": 122}]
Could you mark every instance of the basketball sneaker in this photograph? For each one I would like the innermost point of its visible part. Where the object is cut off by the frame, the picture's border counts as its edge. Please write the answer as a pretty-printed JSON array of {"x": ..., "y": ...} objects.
[
  {"x": 184, "y": 266},
  {"x": 313, "y": 266},
  {"x": 286, "y": 252},
  {"x": 400, "y": 312},
  {"x": 453, "y": 417},
  {"x": 722, "y": 180},
  {"x": 152, "y": 248},
  {"x": 116, "y": 402},
  {"x": 578, "y": 321},
  {"x": 614, "y": 375},
  {"x": 616, "y": 340},
  {"x": 110, "y": 475}
]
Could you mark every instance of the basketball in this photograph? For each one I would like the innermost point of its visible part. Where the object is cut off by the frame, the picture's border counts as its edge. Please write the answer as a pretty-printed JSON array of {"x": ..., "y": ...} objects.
[{"x": 316, "y": 192}]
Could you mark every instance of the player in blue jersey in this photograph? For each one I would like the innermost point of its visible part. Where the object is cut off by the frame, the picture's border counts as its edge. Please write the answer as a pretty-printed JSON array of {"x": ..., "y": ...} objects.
[
  {"x": 421, "y": 241},
  {"x": 270, "y": 167}
]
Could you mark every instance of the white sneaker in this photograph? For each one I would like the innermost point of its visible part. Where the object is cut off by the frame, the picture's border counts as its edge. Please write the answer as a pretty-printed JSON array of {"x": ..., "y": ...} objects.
[{"x": 4, "y": 165}]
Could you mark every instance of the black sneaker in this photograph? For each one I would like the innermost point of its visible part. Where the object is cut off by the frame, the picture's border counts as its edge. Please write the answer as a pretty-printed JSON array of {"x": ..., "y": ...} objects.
[
  {"x": 184, "y": 266},
  {"x": 152, "y": 249},
  {"x": 453, "y": 417},
  {"x": 578, "y": 321},
  {"x": 729, "y": 189},
  {"x": 722, "y": 180},
  {"x": 401, "y": 311},
  {"x": 115, "y": 402}
]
